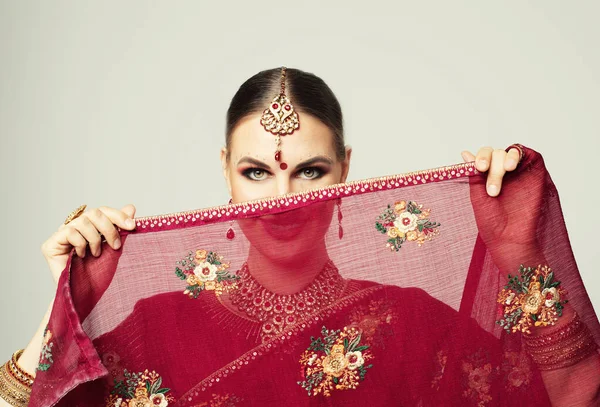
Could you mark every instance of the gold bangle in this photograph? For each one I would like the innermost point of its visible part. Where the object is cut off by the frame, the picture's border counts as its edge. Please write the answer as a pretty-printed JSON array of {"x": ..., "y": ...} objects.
[
  {"x": 14, "y": 382},
  {"x": 75, "y": 214},
  {"x": 17, "y": 372}
]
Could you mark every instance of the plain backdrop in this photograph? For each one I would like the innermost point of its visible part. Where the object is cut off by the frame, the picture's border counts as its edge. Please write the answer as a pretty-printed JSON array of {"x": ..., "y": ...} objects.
[{"x": 116, "y": 102}]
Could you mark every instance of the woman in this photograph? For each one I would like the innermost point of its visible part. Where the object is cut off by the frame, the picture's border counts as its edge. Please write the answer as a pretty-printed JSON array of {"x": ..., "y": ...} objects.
[{"x": 314, "y": 156}]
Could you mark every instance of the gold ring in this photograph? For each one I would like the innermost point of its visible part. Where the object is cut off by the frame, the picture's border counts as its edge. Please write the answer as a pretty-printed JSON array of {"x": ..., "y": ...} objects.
[
  {"x": 519, "y": 148},
  {"x": 75, "y": 214}
]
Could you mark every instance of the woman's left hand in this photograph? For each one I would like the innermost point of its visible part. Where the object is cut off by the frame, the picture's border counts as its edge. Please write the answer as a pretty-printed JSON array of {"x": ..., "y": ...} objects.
[{"x": 497, "y": 161}]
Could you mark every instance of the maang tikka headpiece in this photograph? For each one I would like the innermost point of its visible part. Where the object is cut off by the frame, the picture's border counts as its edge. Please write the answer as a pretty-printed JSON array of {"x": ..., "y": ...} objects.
[{"x": 280, "y": 118}]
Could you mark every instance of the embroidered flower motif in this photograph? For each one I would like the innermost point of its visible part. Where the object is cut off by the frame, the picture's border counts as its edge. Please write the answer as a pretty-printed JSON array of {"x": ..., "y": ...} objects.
[
  {"x": 478, "y": 379},
  {"x": 399, "y": 206},
  {"x": 201, "y": 254},
  {"x": 551, "y": 296},
  {"x": 517, "y": 371},
  {"x": 46, "y": 353},
  {"x": 203, "y": 270},
  {"x": 141, "y": 389},
  {"x": 406, "y": 221},
  {"x": 533, "y": 298},
  {"x": 355, "y": 360},
  {"x": 112, "y": 361},
  {"x": 374, "y": 320},
  {"x": 159, "y": 400},
  {"x": 532, "y": 302},
  {"x": 335, "y": 361}
]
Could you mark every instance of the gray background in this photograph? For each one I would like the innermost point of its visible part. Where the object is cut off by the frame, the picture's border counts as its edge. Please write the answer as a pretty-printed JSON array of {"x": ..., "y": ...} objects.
[{"x": 109, "y": 103}]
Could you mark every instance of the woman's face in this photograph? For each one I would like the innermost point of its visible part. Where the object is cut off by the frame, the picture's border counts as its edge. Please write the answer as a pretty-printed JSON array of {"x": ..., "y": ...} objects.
[{"x": 252, "y": 172}]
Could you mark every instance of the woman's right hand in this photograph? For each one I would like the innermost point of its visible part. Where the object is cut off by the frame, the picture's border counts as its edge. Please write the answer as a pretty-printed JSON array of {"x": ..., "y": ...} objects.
[{"x": 87, "y": 229}]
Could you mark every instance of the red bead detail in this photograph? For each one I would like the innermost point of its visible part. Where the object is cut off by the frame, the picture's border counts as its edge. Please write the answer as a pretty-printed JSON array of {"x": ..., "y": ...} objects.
[
  {"x": 278, "y": 156},
  {"x": 230, "y": 234},
  {"x": 340, "y": 232},
  {"x": 287, "y": 107},
  {"x": 275, "y": 106},
  {"x": 283, "y": 166}
]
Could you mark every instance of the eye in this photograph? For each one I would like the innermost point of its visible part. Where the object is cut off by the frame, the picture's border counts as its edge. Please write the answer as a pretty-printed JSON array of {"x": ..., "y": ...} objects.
[
  {"x": 310, "y": 173},
  {"x": 255, "y": 174}
]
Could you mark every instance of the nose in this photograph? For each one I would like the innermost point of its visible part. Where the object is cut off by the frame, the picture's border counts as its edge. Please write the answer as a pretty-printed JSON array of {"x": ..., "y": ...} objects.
[{"x": 283, "y": 184}]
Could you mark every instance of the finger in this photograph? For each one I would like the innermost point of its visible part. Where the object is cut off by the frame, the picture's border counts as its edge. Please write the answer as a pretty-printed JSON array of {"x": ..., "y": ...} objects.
[
  {"x": 494, "y": 179},
  {"x": 104, "y": 219},
  {"x": 75, "y": 239},
  {"x": 483, "y": 159},
  {"x": 467, "y": 156},
  {"x": 62, "y": 241},
  {"x": 512, "y": 159},
  {"x": 85, "y": 228},
  {"x": 90, "y": 232},
  {"x": 129, "y": 211}
]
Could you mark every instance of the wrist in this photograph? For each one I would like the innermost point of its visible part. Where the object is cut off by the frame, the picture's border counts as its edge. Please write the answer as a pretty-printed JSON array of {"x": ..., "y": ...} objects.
[{"x": 31, "y": 355}]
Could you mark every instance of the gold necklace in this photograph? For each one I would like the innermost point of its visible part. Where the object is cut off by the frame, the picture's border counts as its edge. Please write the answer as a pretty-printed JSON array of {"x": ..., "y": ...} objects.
[{"x": 278, "y": 311}]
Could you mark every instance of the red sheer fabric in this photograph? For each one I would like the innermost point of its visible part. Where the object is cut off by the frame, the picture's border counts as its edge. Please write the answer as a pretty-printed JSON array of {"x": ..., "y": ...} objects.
[{"x": 381, "y": 292}]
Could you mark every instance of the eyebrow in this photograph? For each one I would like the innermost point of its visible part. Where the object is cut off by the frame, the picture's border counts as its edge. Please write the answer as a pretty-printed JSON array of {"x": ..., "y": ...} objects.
[
  {"x": 321, "y": 159},
  {"x": 253, "y": 161}
]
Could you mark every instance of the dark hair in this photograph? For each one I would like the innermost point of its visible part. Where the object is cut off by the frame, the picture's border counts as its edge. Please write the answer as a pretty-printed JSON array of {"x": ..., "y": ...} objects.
[{"x": 307, "y": 92}]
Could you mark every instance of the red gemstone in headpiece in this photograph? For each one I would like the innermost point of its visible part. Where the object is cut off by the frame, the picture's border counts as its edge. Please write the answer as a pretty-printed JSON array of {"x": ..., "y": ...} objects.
[
  {"x": 278, "y": 156},
  {"x": 275, "y": 106},
  {"x": 287, "y": 107}
]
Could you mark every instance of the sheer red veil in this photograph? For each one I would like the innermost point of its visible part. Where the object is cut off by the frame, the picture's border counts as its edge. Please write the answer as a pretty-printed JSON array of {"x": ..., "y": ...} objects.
[{"x": 381, "y": 292}]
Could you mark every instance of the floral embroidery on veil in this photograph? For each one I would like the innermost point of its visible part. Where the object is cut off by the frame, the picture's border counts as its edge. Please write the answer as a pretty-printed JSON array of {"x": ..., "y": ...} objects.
[
  {"x": 204, "y": 270},
  {"x": 534, "y": 298},
  {"x": 517, "y": 369},
  {"x": 373, "y": 320},
  {"x": 478, "y": 372},
  {"x": 46, "y": 353},
  {"x": 406, "y": 221}
]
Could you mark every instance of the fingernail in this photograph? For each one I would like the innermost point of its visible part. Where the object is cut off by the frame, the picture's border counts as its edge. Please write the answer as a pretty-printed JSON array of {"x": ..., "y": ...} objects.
[
  {"x": 482, "y": 164},
  {"x": 117, "y": 243},
  {"x": 493, "y": 190},
  {"x": 510, "y": 163},
  {"x": 130, "y": 223}
]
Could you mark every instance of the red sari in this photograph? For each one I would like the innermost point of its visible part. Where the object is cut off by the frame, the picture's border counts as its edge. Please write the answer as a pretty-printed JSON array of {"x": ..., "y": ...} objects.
[{"x": 402, "y": 308}]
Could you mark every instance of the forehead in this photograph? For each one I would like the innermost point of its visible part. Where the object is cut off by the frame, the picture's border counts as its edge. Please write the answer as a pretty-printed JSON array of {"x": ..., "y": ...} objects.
[{"x": 312, "y": 138}]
